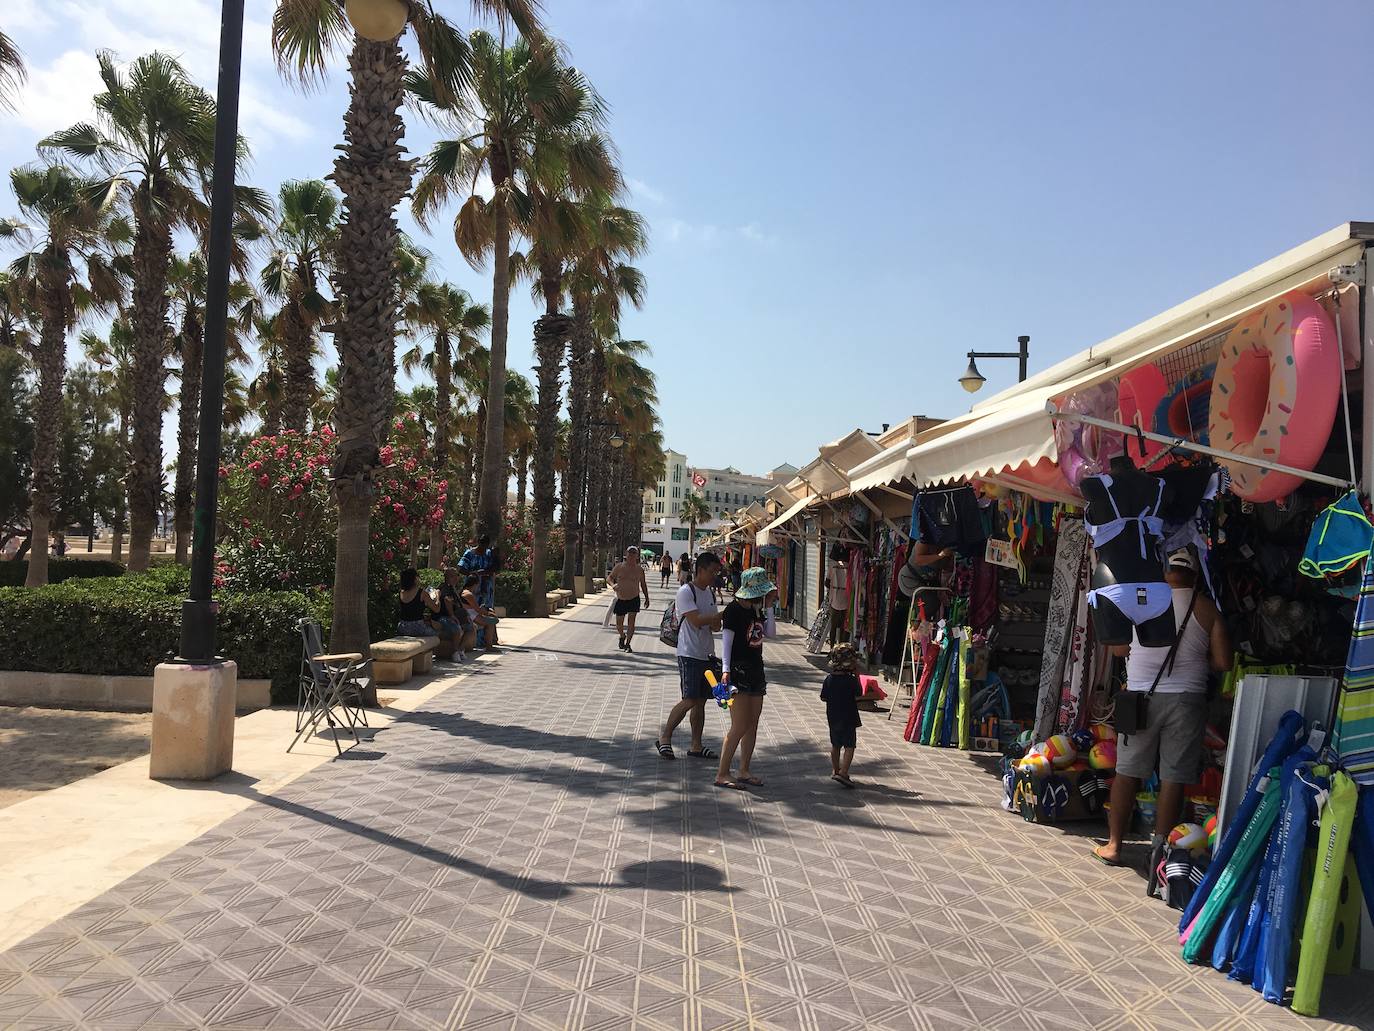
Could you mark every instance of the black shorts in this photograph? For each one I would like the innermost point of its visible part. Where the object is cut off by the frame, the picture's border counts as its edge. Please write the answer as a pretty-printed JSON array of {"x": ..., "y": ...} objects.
[
  {"x": 625, "y": 606},
  {"x": 753, "y": 684},
  {"x": 692, "y": 678},
  {"x": 843, "y": 737}
]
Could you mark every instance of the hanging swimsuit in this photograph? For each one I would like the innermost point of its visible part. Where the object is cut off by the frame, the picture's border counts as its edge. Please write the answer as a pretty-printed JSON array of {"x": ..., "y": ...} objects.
[
  {"x": 1340, "y": 537},
  {"x": 1190, "y": 533},
  {"x": 1138, "y": 602}
]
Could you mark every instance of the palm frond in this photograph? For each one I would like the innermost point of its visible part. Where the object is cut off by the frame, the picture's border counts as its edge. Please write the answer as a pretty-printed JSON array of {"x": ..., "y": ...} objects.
[
  {"x": 12, "y": 71},
  {"x": 305, "y": 33}
]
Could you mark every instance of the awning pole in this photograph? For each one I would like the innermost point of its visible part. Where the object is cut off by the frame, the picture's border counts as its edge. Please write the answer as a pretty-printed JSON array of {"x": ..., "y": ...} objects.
[{"x": 1200, "y": 449}]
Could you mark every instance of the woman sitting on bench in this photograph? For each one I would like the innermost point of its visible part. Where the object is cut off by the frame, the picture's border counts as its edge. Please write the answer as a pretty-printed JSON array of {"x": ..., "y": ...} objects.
[
  {"x": 414, "y": 606},
  {"x": 485, "y": 619}
]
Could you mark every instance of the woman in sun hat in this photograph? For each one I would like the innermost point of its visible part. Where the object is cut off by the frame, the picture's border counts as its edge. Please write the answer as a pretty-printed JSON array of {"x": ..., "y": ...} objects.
[{"x": 746, "y": 621}]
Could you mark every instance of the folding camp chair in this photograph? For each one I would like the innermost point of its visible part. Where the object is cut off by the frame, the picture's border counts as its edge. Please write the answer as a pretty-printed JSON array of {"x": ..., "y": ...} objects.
[{"x": 329, "y": 684}]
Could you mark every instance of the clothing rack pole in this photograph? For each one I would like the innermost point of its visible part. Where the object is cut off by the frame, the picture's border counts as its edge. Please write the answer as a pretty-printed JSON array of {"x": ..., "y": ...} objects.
[{"x": 1180, "y": 444}]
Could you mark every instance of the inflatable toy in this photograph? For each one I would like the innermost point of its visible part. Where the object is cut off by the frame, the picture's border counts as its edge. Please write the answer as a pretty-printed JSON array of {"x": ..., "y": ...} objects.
[
  {"x": 1275, "y": 393},
  {"x": 1189, "y": 836},
  {"x": 1037, "y": 764},
  {"x": 1141, "y": 392},
  {"x": 1102, "y": 756},
  {"x": 1185, "y": 410},
  {"x": 1211, "y": 828},
  {"x": 1087, "y": 450},
  {"x": 1104, "y": 731},
  {"x": 1060, "y": 751}
]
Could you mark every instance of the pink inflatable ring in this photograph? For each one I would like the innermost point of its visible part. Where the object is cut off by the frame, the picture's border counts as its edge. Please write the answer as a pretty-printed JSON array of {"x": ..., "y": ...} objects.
[{"x": 1275, "y": 392}]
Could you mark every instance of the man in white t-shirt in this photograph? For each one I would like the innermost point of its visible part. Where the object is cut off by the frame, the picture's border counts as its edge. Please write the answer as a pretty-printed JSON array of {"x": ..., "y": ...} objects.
[{"x": 698, "y": 619}]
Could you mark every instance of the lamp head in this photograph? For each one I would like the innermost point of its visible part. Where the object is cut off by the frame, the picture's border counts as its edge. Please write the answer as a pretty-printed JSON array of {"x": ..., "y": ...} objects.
[
  {"x": 377, "y": 20},
  {"x": 972, "y": 379},
  {"x": 617, "y": 441}
]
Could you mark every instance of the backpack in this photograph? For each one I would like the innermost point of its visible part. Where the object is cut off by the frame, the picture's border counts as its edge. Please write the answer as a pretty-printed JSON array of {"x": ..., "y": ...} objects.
[{"x": 668, "y": 626}]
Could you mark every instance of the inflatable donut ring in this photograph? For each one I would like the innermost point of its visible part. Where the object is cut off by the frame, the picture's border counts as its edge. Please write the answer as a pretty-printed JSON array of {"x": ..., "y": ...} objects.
[
  {"x": 1086, "y": 450},
  {"x": 1275, "y": 392},
  {"x": 1141, "y": 392}
]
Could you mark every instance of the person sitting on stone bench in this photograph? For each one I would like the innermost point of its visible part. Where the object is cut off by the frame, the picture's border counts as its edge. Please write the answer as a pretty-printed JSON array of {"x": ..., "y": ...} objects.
[
  {"x": 453, "y": 620},
  {"x": 485, "y": 619},
  {"x": 415, "y": 605}
]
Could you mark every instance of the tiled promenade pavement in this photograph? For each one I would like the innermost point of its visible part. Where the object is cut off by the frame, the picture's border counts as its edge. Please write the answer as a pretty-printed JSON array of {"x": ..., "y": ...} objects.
[{"x": 518, "y": 856}]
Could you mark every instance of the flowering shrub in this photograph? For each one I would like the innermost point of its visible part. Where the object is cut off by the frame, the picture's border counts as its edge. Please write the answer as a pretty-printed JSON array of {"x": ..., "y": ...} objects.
[{"x": 279, "y": 522}]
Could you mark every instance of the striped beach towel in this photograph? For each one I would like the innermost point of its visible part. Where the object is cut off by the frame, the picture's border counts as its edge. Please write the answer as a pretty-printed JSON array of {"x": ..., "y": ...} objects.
[{"x": 1353, "y": 736}]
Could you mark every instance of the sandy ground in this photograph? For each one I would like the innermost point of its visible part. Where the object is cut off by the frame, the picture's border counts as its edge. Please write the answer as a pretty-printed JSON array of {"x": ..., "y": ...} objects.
[{"x": 46, "y": 748}]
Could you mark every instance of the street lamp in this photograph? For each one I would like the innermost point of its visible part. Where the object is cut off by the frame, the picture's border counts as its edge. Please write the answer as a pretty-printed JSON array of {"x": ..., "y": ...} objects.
[
  {"x": 616, "y": 441},
  {"x": 377, "y": 20},
  {"x": 972, "y": 380}
]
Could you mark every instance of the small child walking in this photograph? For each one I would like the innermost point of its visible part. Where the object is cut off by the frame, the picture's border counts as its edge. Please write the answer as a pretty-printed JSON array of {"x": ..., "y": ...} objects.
[{"x": 841, "y": 692}]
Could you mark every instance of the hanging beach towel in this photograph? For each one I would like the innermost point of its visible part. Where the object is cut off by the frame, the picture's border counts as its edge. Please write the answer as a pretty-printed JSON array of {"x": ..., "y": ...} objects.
[{"x": 1068, "y": 565}]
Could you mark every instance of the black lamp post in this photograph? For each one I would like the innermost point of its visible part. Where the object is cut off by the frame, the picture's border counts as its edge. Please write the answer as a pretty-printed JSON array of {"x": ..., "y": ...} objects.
[
  {"x": 198, "y": 611},
  {"x": 972, "y": 379}
]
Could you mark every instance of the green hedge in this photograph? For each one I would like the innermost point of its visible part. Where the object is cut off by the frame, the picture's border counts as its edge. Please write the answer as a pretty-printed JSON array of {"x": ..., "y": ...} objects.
[
  {"x": 13, "y": 574},
  {"x": 126, "y": 627}
]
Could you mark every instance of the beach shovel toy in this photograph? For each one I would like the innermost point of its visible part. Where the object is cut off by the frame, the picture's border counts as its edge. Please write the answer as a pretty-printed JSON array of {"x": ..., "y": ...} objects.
[
  {"x": 1287, "y": 737},
  {"x": 1333, "y": 843}
]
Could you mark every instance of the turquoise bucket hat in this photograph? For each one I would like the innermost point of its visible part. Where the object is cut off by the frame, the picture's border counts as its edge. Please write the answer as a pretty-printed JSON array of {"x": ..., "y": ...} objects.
[{"x": 754, "y": 584}]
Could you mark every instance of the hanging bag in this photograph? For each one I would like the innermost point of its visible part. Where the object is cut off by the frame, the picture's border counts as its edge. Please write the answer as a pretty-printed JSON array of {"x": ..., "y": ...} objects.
[{"x": 1132, "y": 707}]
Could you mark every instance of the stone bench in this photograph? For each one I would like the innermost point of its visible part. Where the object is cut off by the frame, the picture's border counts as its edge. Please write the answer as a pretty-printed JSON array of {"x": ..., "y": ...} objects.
[
  {"x": 396, "y": 658},
  {"x": 564, "y": 596},
  {"x": 598, "y": 584},
  {"x": 555, "y": 600}
]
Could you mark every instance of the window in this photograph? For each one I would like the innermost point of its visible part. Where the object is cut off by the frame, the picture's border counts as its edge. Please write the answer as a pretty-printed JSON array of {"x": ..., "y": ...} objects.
[
  {"x": 660, "y": 490},
  {"x": 677, "y": 474},
  {"x": 677, "y": 492},
  {"x": 658, "y": 507}
]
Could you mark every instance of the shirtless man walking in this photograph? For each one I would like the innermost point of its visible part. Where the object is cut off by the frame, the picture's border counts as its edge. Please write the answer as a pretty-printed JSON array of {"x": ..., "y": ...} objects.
[{"x": 627, "y": 580}]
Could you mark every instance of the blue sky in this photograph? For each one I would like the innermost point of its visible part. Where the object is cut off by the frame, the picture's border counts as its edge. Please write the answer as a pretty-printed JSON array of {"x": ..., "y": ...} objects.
[{"x": 844, "y": 199}]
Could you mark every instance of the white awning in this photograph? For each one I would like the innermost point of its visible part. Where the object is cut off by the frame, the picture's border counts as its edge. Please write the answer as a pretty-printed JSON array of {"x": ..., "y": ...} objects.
[
  {"x": 765, "y": 535},
  {"x": 884, "y": 468}
]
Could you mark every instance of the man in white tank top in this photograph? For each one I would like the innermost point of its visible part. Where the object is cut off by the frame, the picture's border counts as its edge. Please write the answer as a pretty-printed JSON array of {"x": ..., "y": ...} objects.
[{"x": 1177, "y": 712}]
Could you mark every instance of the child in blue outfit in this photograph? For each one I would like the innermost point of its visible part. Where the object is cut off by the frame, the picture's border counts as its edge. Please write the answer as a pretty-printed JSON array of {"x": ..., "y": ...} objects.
[{"x": 841, "y": 692}]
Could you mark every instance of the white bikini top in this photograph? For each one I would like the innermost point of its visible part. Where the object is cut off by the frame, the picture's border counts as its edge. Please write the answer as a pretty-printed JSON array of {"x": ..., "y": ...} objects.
[{"x": 1148, "y": 521}]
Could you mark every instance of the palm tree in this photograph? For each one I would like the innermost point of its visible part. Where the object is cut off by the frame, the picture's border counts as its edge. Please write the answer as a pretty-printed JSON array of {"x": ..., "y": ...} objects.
[
  {"x": 373, "y": 175},
  {"x": 186, "y": 281},
  {"x": 154, "y": 140},
  {"x": 12, "y": 73},
  {"x": 535, "y": 114},
  {"x": 267, "y": 390},
  {"x": 519, "y": 423},
  {"x": 72, "y": 223},
  {"x": 694, "y": 510},
  {"x": 305, "y": 237},
  {"x": 599, "y": 281},
  {"x": 626, "y": 395},
  {"x": 113, "y": 354},
  {"x": 455, "y": 324}
]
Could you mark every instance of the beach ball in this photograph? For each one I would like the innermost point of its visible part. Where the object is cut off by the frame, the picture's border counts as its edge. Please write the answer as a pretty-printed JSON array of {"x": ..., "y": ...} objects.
[
  {"x": 1038, "y": 764},
  {"x": 1189, "y": 836},
  {"x": 1060, "y": 751},
  {"x": 1082, "y": 740},
  {"x": 1104, "y": 731},
  {"x": 1102, "y": 756},
  {"x": 1211, "y": 828}
]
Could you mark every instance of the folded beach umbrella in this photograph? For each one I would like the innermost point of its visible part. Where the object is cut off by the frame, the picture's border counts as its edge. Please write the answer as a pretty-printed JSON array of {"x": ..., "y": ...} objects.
[
  {"x": 1291, "y": 732},
  {"x": 1353, "y": 735}
]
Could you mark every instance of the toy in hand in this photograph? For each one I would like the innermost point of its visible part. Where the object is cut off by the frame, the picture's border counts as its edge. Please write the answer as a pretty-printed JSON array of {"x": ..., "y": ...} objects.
[{"x": 724, "y": 694}]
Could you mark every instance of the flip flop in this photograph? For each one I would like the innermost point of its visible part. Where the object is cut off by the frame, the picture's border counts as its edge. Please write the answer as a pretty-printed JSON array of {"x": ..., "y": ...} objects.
[
  {"x": 665, "y": 751},
  {"x": 705, "y": 753},
  {"x": 755, "y": 781},
  {"x": 1104, "y": 860},
  {"x": 842, "y": 781},
  {"x": 729, "y": 784}
]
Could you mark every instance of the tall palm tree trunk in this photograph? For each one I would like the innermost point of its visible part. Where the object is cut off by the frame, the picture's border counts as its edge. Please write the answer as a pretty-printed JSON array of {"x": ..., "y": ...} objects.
[
  {"x": 188, "y": 425},
  {"x": 522, "y": 474},
  {"x": 52, "y": 365},
  {"x": 299, "y": 392},
  {"x": 443, "y": 413},
  {"x": 121, "y": 515},
  {"x": 491, "y": 493},
  {"x": 151, "y": 256},
  {"x": 550, "y": 332},
  {"x": 579, "y": 377},
  {"x": 595, "y": 485},
  {"x": 373, "y": 176}
]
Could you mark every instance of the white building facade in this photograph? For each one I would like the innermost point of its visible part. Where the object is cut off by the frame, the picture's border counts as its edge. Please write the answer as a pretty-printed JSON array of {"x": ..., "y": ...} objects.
[{"x": 663, "y": 501}]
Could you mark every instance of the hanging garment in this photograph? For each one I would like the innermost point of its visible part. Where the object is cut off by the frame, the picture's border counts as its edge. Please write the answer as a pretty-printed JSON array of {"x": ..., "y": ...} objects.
[
  {"x": 1069, "y": 568},
  {"x": 1341, "y": 536},
  {"x": 1138, "y": 602},
  {"x": 1353, "y": 735},
  {"x": 983, "y": 600},
  {"x": 948, "y": 518},
  {"x": 1192, "y": 533},
  {"x": 1079, "y": 669},
  {"x": 930, "y": 659}
]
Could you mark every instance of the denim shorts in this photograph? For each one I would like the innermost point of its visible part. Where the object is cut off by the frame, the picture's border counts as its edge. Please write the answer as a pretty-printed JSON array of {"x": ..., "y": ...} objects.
[{"x": 415, "y": 628}]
